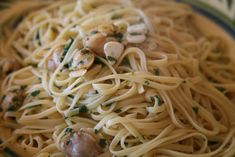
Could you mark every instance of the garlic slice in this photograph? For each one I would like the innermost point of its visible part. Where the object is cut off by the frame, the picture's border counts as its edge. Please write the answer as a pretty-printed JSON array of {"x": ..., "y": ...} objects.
[
  {"x": 113, "y": 50},
  {"x": 136, "y": 39},
  {"x": 83, "y": 59},
  {"x": 137, "y": 28}
]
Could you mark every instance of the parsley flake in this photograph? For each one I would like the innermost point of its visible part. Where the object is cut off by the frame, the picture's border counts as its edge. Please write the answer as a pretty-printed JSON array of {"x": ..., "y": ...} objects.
[
  {"x": 83, "y": 109},
  {"x": 118, "y": 111},
  {"x": 68, "y": 130},
  {"x": 102, "y": 142},
  {"x": 156, "y": 72},
  {"x": 66, "y": 48},
  {"x": 35, "y": 93},
  {"x": 94, "y": 32},
  {"x": 33, "y": 106},
  {"x": 146, "y": 82},
  {"x": 221, "y": 89},
  {"x": 23, "y": 87},
  {"x": 135, "y": 33},
  {"x": 126, "y": 61},
  {"x": 3, "y": 97},
  {"x": 116, "y": 16},
  {"x": 195, "y": 109},
  {"x": 111, "y": 59},
  {"x": 96, "y": 131},
  {"x": 118, "y": 36},
  {"x": 210, "y": 142}
]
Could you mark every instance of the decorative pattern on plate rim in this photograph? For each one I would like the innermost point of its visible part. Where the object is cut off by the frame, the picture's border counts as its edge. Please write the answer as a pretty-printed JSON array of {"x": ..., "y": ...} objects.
[{"x": 221, "y": 11}]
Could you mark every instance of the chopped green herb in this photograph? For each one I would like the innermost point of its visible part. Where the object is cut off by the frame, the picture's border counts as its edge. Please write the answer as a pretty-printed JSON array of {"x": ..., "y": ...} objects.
[
  {"x": 71, "y": 96},
  {"x": 9, "y": 71},
  {"x": 81, "y": 62},
  {"x": 195, "y": 109},
  {"x": 102, "y": 142},
  {"x": 68, "y": 142},
  {"x": 126, "y": 61},
  {"x": 210, "y": 142},
  {"x": 12, "y": 108},
  {"x": 34, "y": 65},
  {"x": 66, "y": 48},
  {"x": 98, "y": 61},
  {"x": 68, "y": 65},
  {"x": 118, "y": 110},
  {"x": 23, "y": 87},
  {"x": 160, "y": 102},
  {"x": 3, "y": 97},
  {"x": 35, "y": 93},
  {"x": 65, "y": 117},
  {"x": 116, "y": 16},
  {"x": 146, "y": 82},
  {"x": 19, "y": 138},
  {"x": 33, "y": 106},
  {"x": 221, "y": 89},
  {"x": 96, "y": 131},
  {"x": 184, "y": 81},
  {"x": 111, "y": 59},
  {"x": 96, "y": 113},
  {"x": 118, "y": 36},
  {"x": 108, "y": 105},
  {"x": 94, "y": 32},
  {"x": 156, "y": 72},
  {"x": 85, "y": 51},
  {"x": 68, "y": 130},
  {"x": 40, "y": 80},
  {"x": 83, "y": 109},
  {"x": 15, "y": 99},
  {"x": 135, "y": 33},
  {"x": 78, "y": 84},
  {"x": 38, "y": 38}
]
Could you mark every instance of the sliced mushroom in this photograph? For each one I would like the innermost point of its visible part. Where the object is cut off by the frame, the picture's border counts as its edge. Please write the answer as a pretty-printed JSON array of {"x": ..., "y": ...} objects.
[
  {"x": 83, "y": 59},
  {"x": 98, "y": 38},
  {"x": 137, "y": 28},
  {"x": 96, "y": 43},
  {"x": 83, "y": 143},
  {"x": 136, "y": 38},
  {"x": 13, "y": 100},
  {"x": 136, "y": 33},
  {"x": 113, "y": 50}
]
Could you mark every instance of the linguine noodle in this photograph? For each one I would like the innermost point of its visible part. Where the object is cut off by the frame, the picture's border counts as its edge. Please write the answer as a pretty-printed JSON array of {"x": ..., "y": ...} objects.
[{"x": 172, "y": 94}]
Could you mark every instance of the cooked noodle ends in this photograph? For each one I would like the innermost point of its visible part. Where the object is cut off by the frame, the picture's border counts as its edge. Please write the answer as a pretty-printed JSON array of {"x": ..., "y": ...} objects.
[{"x": 117, "y": 78}]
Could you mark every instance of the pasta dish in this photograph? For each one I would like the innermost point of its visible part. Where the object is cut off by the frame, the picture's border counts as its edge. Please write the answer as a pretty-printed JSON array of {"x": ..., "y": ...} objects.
[{"x": 114, "y": 78}]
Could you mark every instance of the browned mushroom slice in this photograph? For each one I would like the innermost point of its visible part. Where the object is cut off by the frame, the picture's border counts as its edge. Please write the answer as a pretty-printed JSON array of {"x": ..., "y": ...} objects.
[
  {"x": 12, "y": 100},
  {"x": 96, "y": 43},
  {"x": 83, "y": 59},
  {"x": 81, "y": 143}
]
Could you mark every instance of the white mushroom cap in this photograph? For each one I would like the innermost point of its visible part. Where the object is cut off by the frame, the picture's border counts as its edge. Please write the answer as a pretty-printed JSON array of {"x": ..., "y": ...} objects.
[
  {"x": 137, "y": 28},
  {"x": 136, "y": 39},
  {"x": 113, "y": 50}
]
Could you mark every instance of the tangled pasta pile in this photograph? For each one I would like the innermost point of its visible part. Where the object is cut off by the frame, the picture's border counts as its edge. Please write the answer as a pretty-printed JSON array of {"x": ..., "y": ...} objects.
[{"x": 118, "y": 78}]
